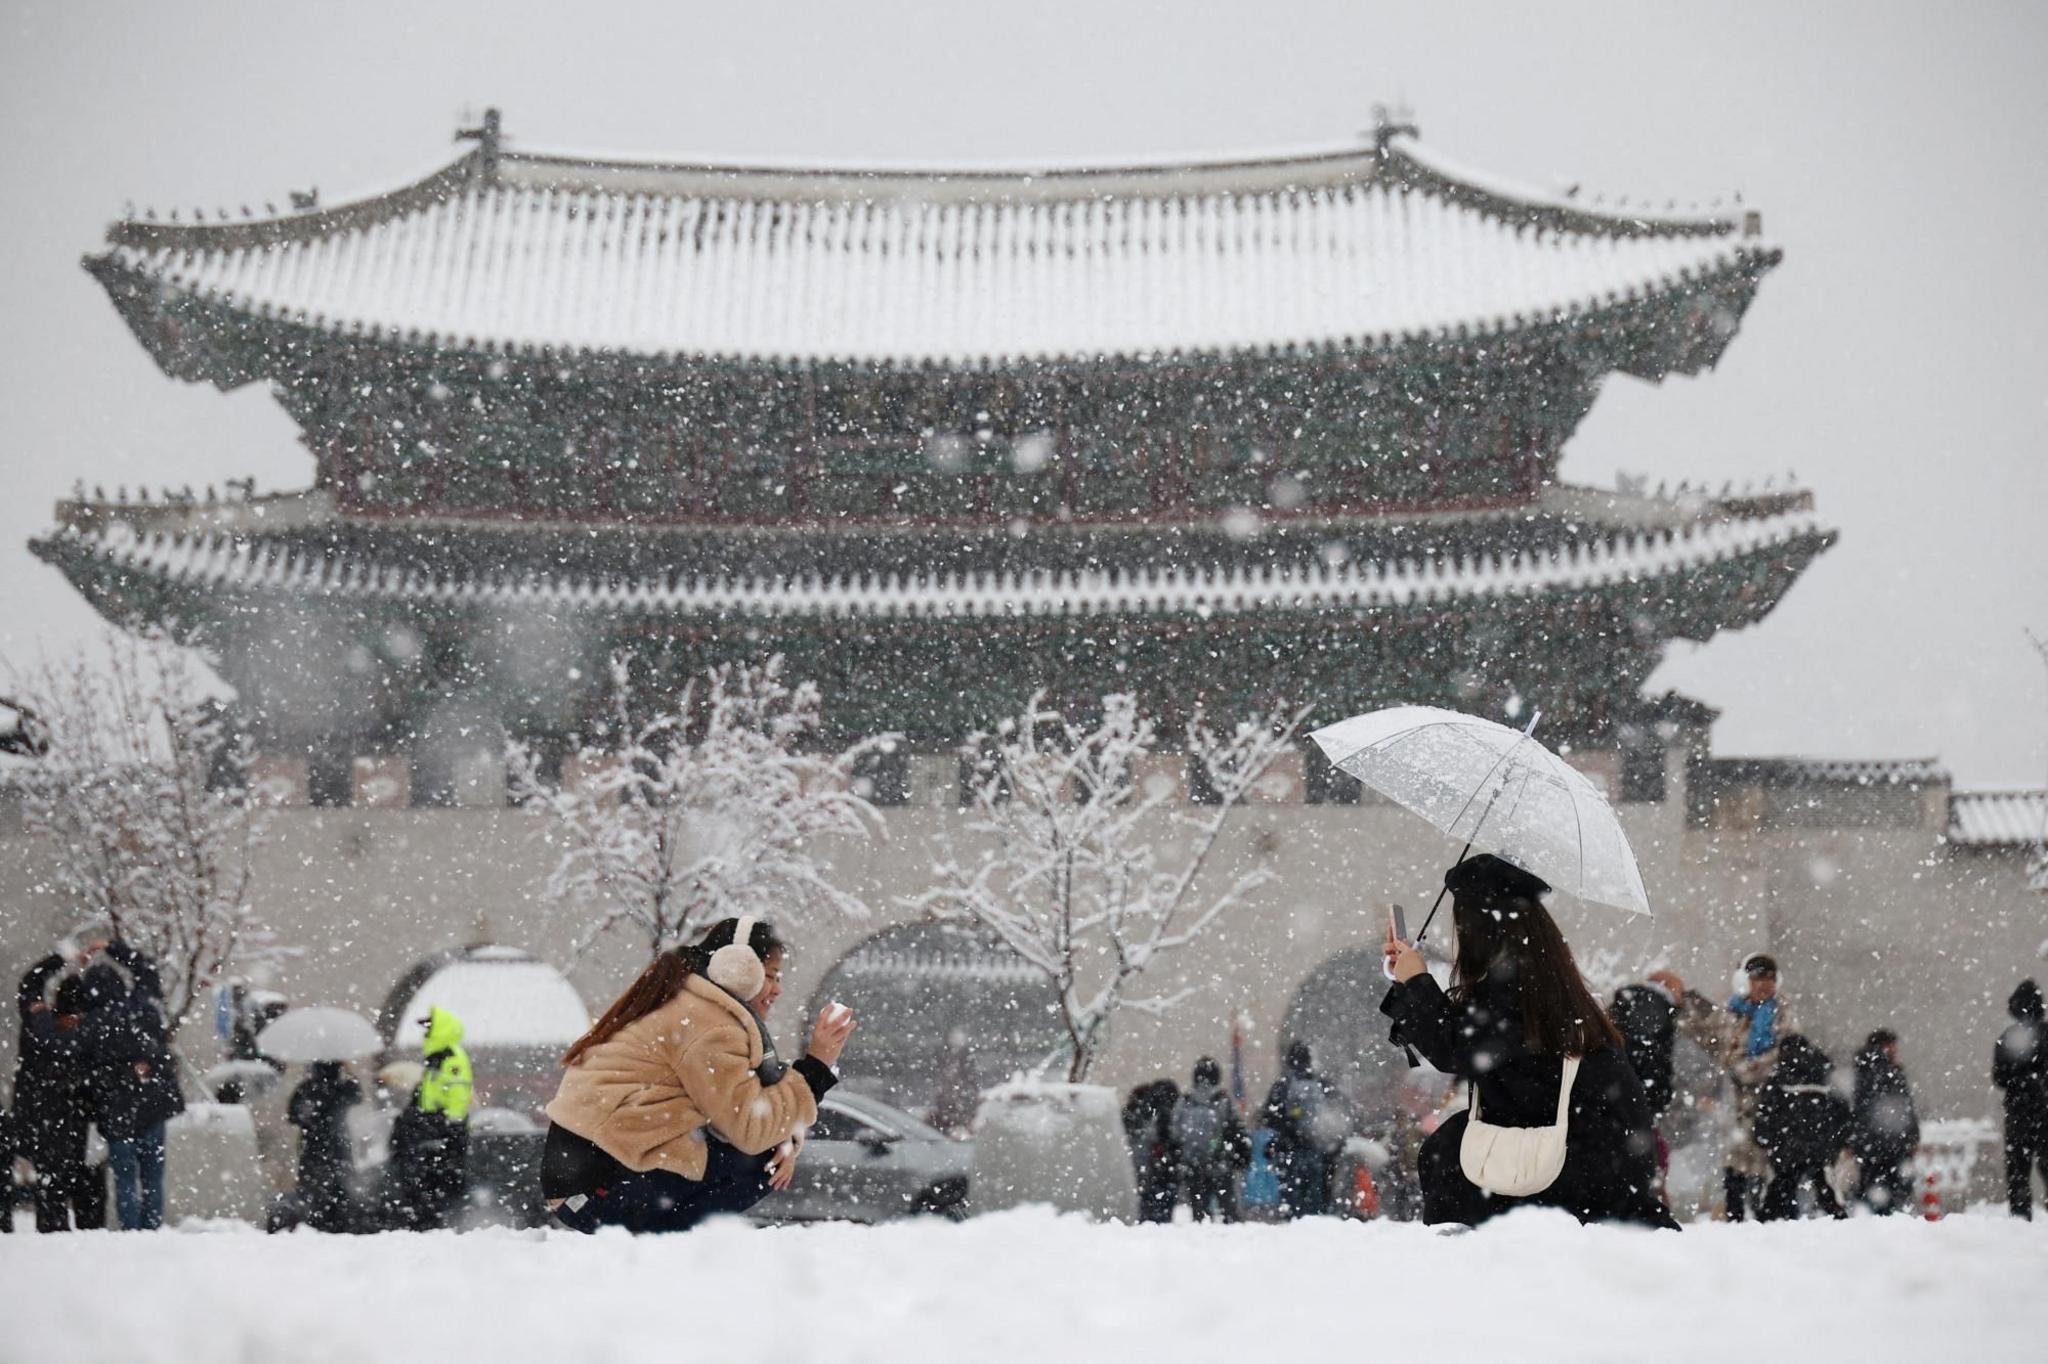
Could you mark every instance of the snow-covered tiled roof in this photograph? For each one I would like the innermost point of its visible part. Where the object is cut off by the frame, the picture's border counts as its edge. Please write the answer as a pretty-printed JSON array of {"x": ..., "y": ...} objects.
[
  {"x": 221, "y": 564},
  {"x": 1367, "y": 246},
  {"x": 1835, "y": 771},
  {"x": 1989, "y": 819}
]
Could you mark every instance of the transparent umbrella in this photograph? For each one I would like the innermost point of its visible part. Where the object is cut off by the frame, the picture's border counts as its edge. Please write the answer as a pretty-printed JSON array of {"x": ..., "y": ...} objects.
[
  {"x": 1499, "y": 790},
  {"x": 319, "y": 1033}
]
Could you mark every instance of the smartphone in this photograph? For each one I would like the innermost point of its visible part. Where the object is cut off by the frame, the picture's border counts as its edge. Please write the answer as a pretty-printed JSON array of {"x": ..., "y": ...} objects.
[{"x": 1400, "y": 917}]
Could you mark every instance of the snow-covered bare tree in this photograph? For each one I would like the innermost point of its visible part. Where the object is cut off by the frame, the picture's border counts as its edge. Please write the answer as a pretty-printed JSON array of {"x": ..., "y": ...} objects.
[
  {"x": 1088, "y": 870},
  {"x": 142, "y": 799},
  {"x": 709, "y": 807}
]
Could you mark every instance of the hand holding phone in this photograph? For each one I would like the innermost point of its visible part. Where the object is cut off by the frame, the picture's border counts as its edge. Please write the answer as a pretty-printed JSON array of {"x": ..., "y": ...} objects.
[{"x": 1401, "y": 961}]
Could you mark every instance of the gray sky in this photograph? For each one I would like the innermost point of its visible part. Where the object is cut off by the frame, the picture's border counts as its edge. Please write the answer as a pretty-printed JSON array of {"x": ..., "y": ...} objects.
[{"x": 1899, "y": 153}]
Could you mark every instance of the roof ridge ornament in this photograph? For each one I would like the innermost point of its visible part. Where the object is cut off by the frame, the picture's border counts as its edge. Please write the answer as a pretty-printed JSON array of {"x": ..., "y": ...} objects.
[
  {"x": 489, "y": 139},
  {"x": 1390, "y": 123}
]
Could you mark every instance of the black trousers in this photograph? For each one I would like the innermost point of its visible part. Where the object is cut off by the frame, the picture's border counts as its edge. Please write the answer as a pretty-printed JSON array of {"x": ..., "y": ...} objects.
[
  {"x": 1212, "y": 1194},
  {"x": 659, "y": 1200},
  {"x": 1781, "y": 1202},
  {"x": 71, "y": 1195},
  {"x": 2025, "y": 1149},
  {"x": 1744, "y": 1194},
  {"x": 1884, "y": 1189}
]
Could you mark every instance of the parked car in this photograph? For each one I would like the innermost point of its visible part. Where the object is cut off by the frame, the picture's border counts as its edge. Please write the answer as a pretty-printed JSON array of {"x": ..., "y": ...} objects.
[{"x": 869, "y": 1161}]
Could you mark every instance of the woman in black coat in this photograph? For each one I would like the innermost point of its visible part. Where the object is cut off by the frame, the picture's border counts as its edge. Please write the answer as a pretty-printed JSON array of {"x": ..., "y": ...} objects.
[
  {"x": 319, "y": 1109},
  {"x": 1148, "y": 1115},
  {"x": 1516, "y": 1008},
  {"x": 53, "y": 1100}
]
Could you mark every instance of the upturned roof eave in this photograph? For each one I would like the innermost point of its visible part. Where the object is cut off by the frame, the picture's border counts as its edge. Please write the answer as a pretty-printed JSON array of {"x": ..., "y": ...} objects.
[
  {"x": 1746, "y": 266},
  {"x": 1676, "y": 562}
]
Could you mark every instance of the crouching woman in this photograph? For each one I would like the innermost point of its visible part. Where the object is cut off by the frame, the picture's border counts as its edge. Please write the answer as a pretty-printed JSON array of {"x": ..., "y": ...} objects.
[
  {"x": 1516, "y": 1014},
  {"x": 674, "y": 1107}
]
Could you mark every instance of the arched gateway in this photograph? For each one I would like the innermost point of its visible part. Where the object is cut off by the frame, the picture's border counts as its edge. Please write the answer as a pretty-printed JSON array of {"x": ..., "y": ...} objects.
[{"x": 915, "y": 986}]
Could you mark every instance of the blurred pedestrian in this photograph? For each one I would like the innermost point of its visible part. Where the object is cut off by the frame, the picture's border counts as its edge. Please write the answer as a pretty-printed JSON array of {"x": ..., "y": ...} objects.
[
  {"x": 134, "y": 1077},
  {"x": 53, "y": 1100},
  {"x": 1886, "y": 1129},
  {"x": 430, "y": 1139},
  {"x": 956, "y": 1095},
  {"x": 319, "y": 1109},
  {"x": 2019, "y": 1067},
  {"x": 1148, "y": 1123},
  {"x": 1309, "y": 1123},
  {"x": 1802, "y": 1124},
  {"x": 1760, "y": 1018},
  {"x": 1211, "y": 1145},
  {"x": 1647, "y": 1017}
]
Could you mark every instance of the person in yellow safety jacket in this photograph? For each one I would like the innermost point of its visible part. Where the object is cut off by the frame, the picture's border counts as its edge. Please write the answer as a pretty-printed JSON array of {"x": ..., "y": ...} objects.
[
  {"x": 446, "y": 1087},
  {"x": 430, "y": 1140}
]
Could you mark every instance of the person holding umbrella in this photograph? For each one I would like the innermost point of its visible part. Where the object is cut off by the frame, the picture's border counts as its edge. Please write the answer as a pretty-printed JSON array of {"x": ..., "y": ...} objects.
[
  {"x": 319, "y": 1109},
  {"x": 323, "y": 1038},
  {"x": 1520, "y": 1026}
]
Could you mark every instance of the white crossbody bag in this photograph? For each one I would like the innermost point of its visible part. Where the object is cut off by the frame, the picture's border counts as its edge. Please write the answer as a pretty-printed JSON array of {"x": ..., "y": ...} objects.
[{"x": 1514, "y": 1162}]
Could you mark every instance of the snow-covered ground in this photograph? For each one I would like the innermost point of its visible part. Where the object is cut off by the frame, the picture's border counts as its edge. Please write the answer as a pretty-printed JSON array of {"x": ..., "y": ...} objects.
[{"x": 1029, "y": 1286}]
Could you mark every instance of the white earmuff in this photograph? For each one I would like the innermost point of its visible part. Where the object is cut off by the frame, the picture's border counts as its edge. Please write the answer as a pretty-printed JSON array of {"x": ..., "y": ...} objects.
[{"x": 734, "y": 968}]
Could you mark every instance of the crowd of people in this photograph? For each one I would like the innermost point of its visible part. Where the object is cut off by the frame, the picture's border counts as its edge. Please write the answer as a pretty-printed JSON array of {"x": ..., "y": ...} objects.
[
  {"x": 675, "y": 1106},
  {"x": 96, "y": 1085}
]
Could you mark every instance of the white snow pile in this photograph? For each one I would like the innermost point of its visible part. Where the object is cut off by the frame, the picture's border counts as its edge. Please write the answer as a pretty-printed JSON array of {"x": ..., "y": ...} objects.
[{"x": 1027, "y": 1285}]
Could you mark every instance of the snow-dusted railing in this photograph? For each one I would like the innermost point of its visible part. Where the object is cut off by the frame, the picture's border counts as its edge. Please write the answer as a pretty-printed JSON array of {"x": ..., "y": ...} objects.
[{"x": 216, "y": 562}]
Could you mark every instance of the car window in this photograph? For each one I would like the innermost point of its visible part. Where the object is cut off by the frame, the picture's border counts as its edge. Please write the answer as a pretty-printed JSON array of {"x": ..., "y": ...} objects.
[{"x": 836, "y": 1124}]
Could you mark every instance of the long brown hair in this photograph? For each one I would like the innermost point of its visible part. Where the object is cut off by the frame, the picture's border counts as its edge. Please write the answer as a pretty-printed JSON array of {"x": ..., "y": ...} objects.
[
  {"x": 1512, "y": 938},
  {"x": 664, "y": 978}
]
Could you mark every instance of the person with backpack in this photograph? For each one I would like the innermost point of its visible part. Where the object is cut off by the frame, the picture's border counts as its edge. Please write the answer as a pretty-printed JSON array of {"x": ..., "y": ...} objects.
[
  {"x": 1308, "y": 1127},
  {"x": 1886, "y": 1128},
  {"x": 1536, "y": 1052},
  {"x": 1802, "y": 1124},
  {"x": 2019, "y": 1066},
  {"x": 1211, "y": 1145}
]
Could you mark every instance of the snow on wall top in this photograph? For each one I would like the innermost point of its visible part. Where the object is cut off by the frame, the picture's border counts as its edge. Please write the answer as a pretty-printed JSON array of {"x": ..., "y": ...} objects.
[
  {"x": 214, "y": 562},
  {"x": 1365, "y": 245},
  {"x": 1985, "y": 819}
]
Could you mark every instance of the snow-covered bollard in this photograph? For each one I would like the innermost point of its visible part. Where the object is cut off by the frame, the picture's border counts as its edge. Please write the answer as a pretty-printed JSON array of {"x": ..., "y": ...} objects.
[
  {"x": 211, "y": 1166},
  {"x": 1041, "y": 1141}
]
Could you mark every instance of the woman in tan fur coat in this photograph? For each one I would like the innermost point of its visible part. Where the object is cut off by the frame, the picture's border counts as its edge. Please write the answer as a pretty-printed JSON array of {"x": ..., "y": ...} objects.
[{"x": 674, "y": 1107}]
